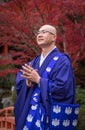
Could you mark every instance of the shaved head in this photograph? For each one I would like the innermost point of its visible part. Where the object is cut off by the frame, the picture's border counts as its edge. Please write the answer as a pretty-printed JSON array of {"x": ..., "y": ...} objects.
[
  {"x": 49, "y": 28},
  {"x": 46, "y": 36}
]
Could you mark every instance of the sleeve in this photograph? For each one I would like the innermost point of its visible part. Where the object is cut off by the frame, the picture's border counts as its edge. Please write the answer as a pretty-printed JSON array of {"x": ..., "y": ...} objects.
[
  {"x": 20, "y": 82},
  {"x": 61, "y": 83}
]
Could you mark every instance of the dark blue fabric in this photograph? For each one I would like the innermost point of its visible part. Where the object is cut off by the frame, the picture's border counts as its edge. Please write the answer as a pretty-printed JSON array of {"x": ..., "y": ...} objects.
[
  {"x": 62, "y": 85},
  {"x": 64, "y": 116}
]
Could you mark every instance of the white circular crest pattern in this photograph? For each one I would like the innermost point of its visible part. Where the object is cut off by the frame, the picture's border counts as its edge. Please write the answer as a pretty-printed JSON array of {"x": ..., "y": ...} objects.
[
  {"x": 48, "y": 69},
  {"x": 55, "y": 58}
]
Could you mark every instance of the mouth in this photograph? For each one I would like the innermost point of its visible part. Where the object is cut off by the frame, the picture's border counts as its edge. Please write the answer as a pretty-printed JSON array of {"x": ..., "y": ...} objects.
[{"x": 39, "y": 40}]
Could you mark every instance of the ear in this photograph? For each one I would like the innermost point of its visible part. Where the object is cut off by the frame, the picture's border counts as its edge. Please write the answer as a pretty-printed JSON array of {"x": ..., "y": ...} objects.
[{"x": 54, "y": 37}]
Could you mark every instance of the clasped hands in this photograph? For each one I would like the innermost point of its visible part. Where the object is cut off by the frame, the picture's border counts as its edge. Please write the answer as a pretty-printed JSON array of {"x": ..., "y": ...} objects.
[{"x": 30, "y": 74}]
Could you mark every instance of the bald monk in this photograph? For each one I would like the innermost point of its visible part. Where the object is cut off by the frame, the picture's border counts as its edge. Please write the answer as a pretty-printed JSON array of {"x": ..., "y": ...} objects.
[{"x": 50, "y": 74}]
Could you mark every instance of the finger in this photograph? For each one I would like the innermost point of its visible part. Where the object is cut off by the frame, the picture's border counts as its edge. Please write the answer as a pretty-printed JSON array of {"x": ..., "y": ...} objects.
[
  {"x": 29, "y": 67},
  {"x": 30, "y": 64},
  {"x": 24, "y": 68},
  {"x": 24, "y": 76},
  {"x": 24, "y": 72}
]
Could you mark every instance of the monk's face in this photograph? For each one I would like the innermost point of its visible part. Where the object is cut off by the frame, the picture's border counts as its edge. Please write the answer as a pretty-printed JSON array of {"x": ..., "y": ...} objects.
[{"x": 46, "y": 36}]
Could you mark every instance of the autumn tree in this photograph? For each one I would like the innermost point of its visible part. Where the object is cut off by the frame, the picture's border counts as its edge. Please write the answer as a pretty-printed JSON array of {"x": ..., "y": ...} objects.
[{"x": 20, "y": 19}]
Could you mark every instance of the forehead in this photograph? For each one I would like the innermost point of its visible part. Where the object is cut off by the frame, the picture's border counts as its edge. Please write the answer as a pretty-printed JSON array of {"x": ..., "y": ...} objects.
[{"x": 48, "y": 28}]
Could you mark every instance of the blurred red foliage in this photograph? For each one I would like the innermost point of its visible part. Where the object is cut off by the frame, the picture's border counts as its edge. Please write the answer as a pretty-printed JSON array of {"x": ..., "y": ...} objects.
[{"x": 20, "y": 19}]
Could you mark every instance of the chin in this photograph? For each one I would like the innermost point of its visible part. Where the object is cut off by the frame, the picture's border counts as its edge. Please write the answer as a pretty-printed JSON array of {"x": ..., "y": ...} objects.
[{"x": 40, "y": 43}]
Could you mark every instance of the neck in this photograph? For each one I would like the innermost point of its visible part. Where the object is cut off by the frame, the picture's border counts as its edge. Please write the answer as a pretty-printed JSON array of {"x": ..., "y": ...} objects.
[{"x": 45, "y": 51}]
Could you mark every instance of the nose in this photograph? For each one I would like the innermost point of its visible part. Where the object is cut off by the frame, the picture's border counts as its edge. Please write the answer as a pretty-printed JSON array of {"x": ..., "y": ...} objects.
[{"x": 40, "y": 34}]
